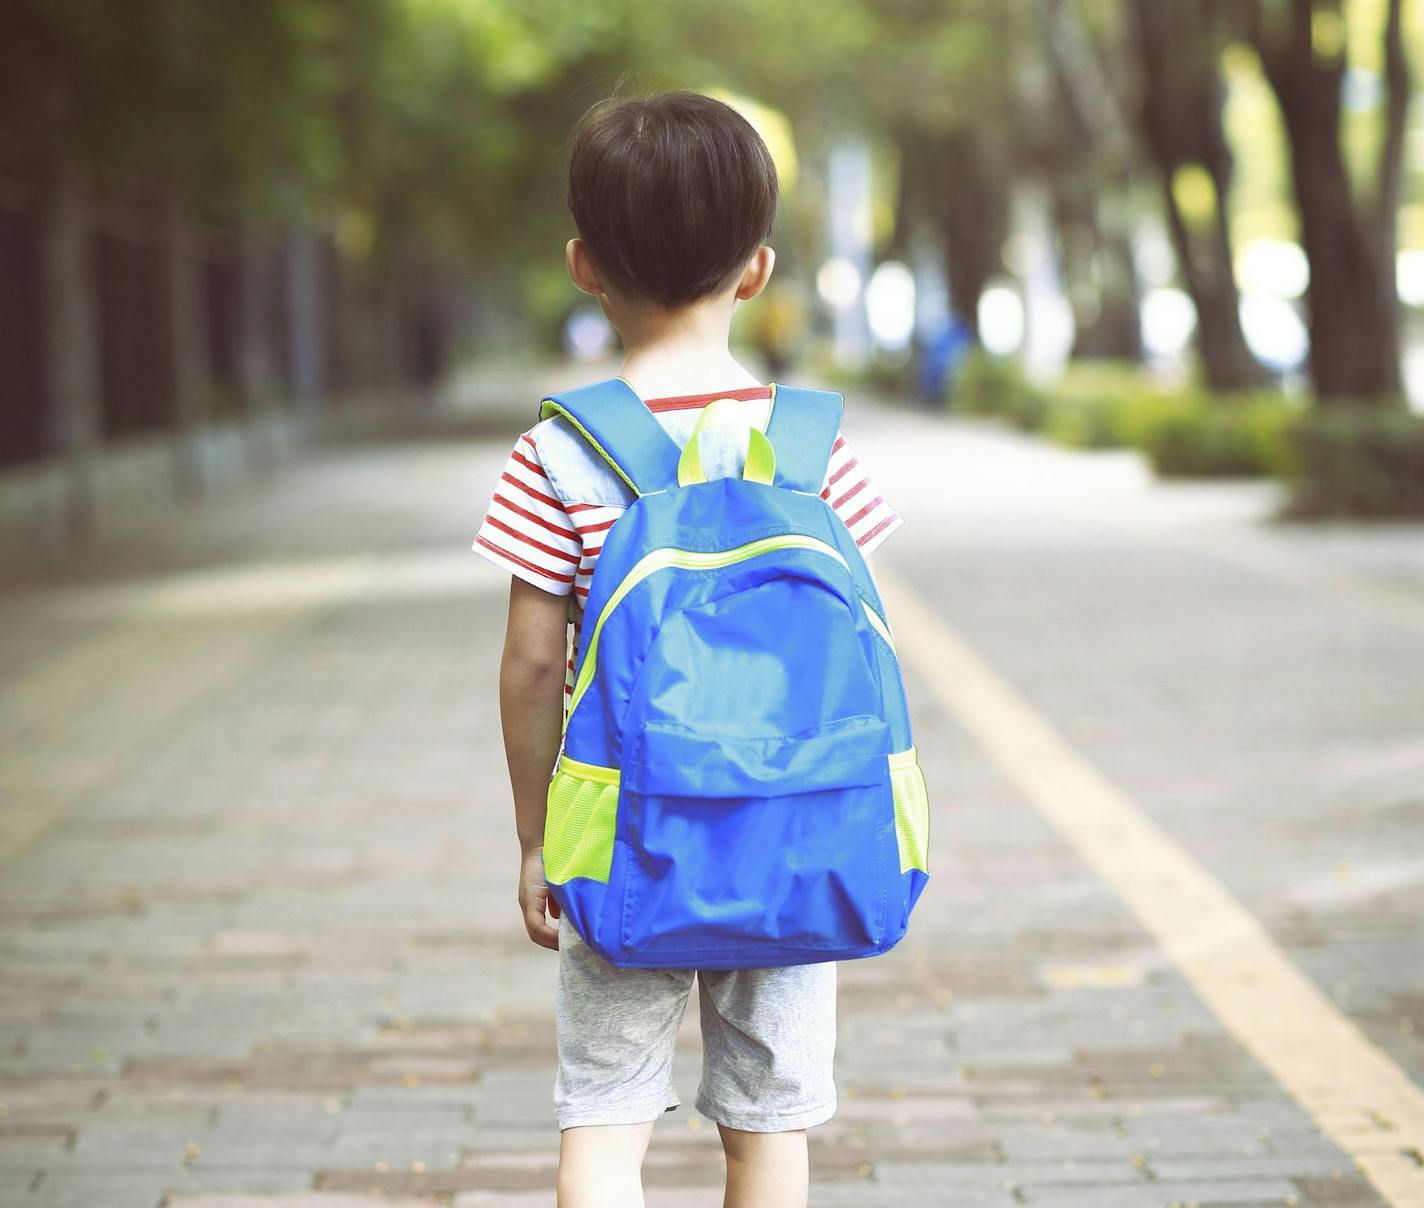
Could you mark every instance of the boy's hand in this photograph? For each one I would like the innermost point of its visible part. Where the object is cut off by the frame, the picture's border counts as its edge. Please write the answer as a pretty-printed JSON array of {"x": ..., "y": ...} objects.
[{"x": 535, "y": 900}]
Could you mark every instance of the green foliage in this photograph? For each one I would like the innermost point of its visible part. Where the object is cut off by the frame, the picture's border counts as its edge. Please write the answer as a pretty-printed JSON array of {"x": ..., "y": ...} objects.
[
  {"x": 1113, "y": 404},
  {"x": 1190, "y": 433},
  {"x": 802, "y": 55},
  {"x": 1095, "y": 404},
  {"x": 1110, "y": 404},
  {"x": 438, "y": 127},
  {"x": 995, "y": 386},
  {"x": 1356, "y": 460},
  {"x": 877, "y": 376},
  {"x": 229, "y": 103},
  {"x": 402, "y": 123},
  {"x": 1338, "y": 460}
]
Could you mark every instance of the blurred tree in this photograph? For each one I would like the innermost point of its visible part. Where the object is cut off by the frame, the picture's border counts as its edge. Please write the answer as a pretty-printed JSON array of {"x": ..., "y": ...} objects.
[
  {"x": 452, "y": 131},
  {"x": 418, "y": 145},
  {"x": 941, "y": 84},
  {"x": 184, "y": 109},
  {"x": 1179, "y": 44},
  {"x": 957, "y": 129},
  {"x": 1088, "y": 162},
  {"x": 415, "y": 134},
  {"x": 1349, "y": 238},
  {"x": 959, "y": 180}
]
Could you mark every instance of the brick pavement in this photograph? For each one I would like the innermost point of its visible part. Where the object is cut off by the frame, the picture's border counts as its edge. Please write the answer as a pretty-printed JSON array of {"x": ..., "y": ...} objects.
[{"x": 257, "y": 935}]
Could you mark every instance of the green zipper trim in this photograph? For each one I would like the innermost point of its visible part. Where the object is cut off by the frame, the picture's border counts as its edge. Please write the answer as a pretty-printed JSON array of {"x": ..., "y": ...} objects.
[
  {"x": 588, "y": 771},
  {"x": 661, "y": 559},
  {"x": 903, "y": 759},
  {"x": 877, "y": 623}
]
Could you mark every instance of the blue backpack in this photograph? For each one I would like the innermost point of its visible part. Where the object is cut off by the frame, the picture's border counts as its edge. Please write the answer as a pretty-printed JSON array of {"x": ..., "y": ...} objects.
[{"x": 737, "y": 786}]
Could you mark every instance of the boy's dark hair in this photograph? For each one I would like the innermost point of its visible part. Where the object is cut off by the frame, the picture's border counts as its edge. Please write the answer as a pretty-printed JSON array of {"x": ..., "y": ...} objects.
[{"x": 672, "y": 193}]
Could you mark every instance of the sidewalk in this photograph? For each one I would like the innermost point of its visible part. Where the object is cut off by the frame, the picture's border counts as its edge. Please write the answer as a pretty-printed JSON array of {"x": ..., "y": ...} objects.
[{"x": 258, "y": 939}]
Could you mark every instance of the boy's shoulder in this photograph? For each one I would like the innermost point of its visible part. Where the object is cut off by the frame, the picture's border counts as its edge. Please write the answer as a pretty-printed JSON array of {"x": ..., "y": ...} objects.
[{"x": 573, "y": 467}]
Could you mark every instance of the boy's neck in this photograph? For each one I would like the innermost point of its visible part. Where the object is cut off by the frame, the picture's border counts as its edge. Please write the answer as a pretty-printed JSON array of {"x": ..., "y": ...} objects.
[{"x": 685, "y": 353}]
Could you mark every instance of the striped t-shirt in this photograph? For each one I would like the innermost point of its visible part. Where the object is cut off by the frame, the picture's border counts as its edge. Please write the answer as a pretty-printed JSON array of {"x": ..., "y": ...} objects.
[{"x": 556, "y": 498}]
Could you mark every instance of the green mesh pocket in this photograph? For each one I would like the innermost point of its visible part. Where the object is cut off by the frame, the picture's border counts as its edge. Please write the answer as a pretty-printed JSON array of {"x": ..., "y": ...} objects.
[
  {"x": 580, "y": 823},
  {"x": 912, "y": 811}
]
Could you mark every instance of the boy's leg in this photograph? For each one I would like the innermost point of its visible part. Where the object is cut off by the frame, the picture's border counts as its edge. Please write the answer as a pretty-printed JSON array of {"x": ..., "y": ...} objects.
[
  {"x": 768, "y": 1050},
  {"x": 616, "y": 1030},
  {"x": 600, "y": 1165},
  {"x": 766, "y": 1169},
  {"x": 768, "y": 1047}
]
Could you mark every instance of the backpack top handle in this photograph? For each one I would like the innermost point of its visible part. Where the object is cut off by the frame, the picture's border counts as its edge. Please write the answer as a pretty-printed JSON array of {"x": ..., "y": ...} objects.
[
  {"x": 760, "y": 465},
  {"x": 613, "y": 418}
]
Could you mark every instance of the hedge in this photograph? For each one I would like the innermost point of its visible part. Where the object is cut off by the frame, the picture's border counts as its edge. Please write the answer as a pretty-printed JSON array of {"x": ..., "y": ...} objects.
[
  {"x": 1337, "y": 459},
  {"x": 1357, "y": 460}
]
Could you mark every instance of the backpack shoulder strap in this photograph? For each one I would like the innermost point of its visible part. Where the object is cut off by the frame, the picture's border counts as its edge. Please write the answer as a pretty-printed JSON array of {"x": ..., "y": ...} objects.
[
  {"x": 803, "y": 427},
  {"x": 617, "y": 423}
]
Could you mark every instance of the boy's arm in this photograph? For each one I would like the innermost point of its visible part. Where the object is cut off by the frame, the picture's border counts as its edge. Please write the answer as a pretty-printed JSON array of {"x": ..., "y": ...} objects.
[{"x": 531, "y": 709}]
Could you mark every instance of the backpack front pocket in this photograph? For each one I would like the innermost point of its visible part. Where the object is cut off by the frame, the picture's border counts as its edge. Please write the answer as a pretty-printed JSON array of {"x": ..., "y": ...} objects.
[
  {"x": 777, "y": 842},
  {"x": 757, "y": 818}
]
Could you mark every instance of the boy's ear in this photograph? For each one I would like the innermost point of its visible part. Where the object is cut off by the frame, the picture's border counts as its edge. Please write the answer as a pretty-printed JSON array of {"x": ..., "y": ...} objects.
[
  {"x": 756, "y": 274},
  {"x": 582, "y": 270}
]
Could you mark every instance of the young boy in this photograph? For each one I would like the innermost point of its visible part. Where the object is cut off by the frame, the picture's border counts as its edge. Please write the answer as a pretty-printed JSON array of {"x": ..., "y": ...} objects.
[{"x": 672, "y": 196}]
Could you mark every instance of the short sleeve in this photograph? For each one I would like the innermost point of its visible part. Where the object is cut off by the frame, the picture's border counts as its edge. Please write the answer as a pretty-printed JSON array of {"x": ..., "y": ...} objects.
[
  {"x": 855, "y": 499},
  {"x": 527, "y": 530}
]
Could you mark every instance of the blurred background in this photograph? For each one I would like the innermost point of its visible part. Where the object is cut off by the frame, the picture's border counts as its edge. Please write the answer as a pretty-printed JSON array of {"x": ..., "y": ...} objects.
[
  {"x": 1171, "y": 226},
  {"x": 1126, "y": 298}
]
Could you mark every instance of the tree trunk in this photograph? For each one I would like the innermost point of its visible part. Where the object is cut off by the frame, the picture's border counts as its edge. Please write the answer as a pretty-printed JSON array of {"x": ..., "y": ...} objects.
[
  {"x": 975, "y": 220},
  {"x": 1099, "y": 276},
  {"x": 958, "y": 183},
  {"x": 1090, "y": 175},
  {"x": 187, "y": 343},
  {"x": 1180, "y": 121},
  {"x": 256, "y": 370},
  {"x": 305, "y": 321},
  {"x": 1354, "y": 345},
  {"x": 71, "y": 343},
  {"x": 1354, "y": 310}
]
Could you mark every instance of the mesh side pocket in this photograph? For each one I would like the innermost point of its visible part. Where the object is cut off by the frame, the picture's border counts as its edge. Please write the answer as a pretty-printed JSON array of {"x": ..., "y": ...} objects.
[
  {"x": 912, "y": 810},
  {"x": 581, "y": 820}
]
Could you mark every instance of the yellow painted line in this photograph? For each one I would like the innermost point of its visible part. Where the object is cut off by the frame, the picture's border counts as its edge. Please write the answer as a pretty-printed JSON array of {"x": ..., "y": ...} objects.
[{"x": 1359, "y": 1097}]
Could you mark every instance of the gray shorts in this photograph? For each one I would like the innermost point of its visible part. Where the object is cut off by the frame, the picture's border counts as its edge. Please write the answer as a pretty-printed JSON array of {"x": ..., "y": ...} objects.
[{"x": 768, "y": 1041}]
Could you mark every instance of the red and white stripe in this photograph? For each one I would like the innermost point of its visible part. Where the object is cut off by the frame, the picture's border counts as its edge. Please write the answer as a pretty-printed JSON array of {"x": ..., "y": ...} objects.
[
  {"x": 555, "y": 543},
  {"x": 855, "y": 500},
  {"x": 527, "y": 529}
]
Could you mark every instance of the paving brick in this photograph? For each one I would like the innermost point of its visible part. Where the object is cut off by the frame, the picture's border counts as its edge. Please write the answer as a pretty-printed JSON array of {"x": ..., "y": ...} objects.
[
  {"x": 305, "y": 1199},
  {"x": 276, "y": 920},
  {"x": 14, "y": 1184},
  {"x": 86, "y": 1189},
  {"x": 1237, "y": 1194}
]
